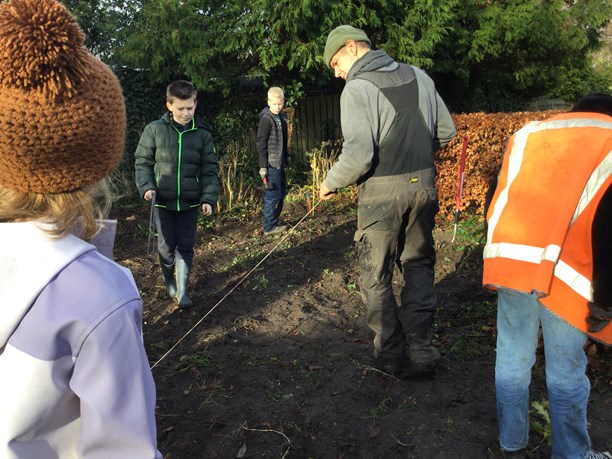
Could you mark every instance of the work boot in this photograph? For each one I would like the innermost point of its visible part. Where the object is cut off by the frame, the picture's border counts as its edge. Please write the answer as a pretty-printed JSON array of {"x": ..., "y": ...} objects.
[
  {"x": 276, "y": 230},
  {"x": 423, "y": 355},
  {"x": 169, "y": 279},
  {"x": 389, "y": 362},
  {"x": 182, "y": 283}
]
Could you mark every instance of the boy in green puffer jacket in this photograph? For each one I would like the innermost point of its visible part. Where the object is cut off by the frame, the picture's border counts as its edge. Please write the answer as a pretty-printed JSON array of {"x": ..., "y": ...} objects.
[{"x": 176, "y": 164}]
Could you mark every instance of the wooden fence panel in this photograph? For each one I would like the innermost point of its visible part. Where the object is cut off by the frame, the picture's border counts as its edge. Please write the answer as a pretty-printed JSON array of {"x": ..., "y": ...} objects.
[
  {"x": 313, "y": 121},
  {"x": 316, "y": 119}
]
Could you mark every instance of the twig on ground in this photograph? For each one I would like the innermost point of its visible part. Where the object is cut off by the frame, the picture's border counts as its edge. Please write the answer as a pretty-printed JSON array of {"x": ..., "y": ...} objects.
[
  {"x": 288, "y": 441},
  {"x": 369, "y": 368}
]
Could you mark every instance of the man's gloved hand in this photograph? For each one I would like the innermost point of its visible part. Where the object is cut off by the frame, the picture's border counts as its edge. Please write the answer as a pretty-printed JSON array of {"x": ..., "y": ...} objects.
[
  {"x": 263, "y": 172},
  {"x": 599, "y": 316}
]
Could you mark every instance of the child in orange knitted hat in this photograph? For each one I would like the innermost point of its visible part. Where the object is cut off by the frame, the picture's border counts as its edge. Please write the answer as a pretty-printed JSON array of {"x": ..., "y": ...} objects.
[{"x": 76, "y": 381}]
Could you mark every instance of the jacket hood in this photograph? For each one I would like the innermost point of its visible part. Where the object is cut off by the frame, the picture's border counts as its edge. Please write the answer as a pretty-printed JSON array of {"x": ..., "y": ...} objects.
[
  {"x": 29, "y": 260},
  {"x": 370, "y": 61}
]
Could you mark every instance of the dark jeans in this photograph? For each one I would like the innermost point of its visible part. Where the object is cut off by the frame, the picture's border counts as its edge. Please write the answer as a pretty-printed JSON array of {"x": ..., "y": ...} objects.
[
  {"x": 394, "y": 225},
  {"x": 176, "y": 232},
  {"x": 274, "y": 197}
]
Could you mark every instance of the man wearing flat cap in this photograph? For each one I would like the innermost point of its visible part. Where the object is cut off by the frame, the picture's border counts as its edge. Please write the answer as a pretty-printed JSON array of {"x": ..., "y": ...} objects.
[{"x": 393, "y": 122}]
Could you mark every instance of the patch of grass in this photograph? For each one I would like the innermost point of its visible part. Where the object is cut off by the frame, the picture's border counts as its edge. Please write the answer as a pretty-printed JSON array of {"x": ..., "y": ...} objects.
[
  {"x": 201, "y": 359},
  {"x": 159, "y": 346},
  {"x": 483, "y": 311},
  {"x": 142, "y": 232},
  {"x": 409, "y": 402},
  {"x": 253, "y": 361},
  {"x": 311, "y": 377},
  {"x": 246, "y": 255},
  {"x": 278, "y": 395},
  {"x": 261, "y": 283},
  {"x": 240, "y": 259},
  {"x": 211, "y": 392},
  {"x": 242, "y": 211},
  {"x": 205, "y": 222},
  {"x": 286, "y": 245},
  {"x": 379, "y": 411},
  {"x": 469, "y": 242},
  {"x": 470, "y": 232},
  {"x": 473, "y": 331},
  {"x": 197, "y": 360},
  {"x": 472, "y": 342}
]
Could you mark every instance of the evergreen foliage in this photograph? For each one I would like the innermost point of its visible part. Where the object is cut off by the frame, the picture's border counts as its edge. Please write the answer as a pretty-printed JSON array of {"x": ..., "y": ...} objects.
[{"x": 484, "y": 55}]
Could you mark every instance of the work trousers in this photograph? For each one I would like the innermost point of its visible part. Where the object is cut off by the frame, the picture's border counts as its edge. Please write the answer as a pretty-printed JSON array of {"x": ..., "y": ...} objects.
[
  {"x": 176, "y": 233},
  {"x": 396, "y": 216}
]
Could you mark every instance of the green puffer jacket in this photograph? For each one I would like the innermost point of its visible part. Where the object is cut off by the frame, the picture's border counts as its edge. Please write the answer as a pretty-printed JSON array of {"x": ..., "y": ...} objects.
[{"x": 181, "y": 168}]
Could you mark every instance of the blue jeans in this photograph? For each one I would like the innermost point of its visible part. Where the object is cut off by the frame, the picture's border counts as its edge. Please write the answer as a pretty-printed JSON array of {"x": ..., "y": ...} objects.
[
  {"x": 518, "y": 318},
  {"x": 274, "y": 197}
]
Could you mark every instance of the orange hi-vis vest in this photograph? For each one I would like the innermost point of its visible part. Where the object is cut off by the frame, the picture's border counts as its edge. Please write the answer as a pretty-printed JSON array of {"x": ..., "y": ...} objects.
[{"x": 553, "y": 177}]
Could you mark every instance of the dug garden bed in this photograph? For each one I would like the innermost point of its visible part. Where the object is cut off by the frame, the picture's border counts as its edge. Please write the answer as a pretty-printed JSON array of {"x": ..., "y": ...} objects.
[{"x": 275, "y": 359}]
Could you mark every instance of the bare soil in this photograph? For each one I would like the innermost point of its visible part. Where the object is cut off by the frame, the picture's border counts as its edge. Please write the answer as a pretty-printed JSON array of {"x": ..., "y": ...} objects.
[{"x": 276, "y": 361}]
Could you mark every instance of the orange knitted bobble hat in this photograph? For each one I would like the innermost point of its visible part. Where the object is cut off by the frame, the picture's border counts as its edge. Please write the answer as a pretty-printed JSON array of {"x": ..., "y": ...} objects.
[{"x": 62, "y": 117}]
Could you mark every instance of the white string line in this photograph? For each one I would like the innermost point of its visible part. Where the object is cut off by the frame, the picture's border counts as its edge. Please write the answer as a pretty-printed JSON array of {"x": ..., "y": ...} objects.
[{"x": 236, "y": 286}]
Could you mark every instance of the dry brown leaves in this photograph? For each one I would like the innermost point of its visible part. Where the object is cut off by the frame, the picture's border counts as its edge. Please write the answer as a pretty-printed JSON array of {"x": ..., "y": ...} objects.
[{"x": 487, "y": 135}]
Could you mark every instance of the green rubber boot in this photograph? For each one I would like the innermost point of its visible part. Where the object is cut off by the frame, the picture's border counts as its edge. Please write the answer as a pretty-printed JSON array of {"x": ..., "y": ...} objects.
[
  {"x": 182, "y": 283},
  {"x": 169, "y": 279}
]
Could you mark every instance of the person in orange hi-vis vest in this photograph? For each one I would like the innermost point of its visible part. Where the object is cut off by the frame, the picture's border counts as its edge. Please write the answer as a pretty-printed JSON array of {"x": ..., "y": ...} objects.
[{"x": 548, "y": 255}]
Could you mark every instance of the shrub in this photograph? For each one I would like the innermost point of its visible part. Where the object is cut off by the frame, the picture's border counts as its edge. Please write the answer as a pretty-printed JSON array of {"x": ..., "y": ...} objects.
[{"x": 487, "y": 136}]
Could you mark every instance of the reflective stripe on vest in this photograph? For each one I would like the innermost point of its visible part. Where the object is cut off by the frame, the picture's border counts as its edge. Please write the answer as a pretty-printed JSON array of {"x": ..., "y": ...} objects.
[
  {"x": 594, "y": 184},
  {"x": 564, "y": 272},
  {"x": 522, "y": 252},
  {"x": 574, "y": 280}
]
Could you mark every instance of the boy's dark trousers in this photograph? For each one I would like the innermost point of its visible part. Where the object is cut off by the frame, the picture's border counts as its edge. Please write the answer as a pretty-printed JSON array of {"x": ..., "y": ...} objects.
[
  {"x": 274, "y": 195},
  {"x": 176, "y": 238},
  {"x": 176, "y": 232}
]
